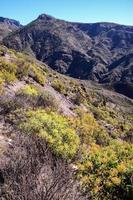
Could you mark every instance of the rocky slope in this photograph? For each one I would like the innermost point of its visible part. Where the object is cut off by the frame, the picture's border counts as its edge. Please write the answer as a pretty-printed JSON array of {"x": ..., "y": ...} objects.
[
  {"x": 7, "y": 26},
  {"x": 102, "y": 52},
  {"x": 61, "y": 138}
]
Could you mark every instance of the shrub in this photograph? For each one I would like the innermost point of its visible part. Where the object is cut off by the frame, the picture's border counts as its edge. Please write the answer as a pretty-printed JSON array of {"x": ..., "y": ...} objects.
[
  {"x": 37, "y": 74},
  {"x": 31, "y": 171},
  {"x": 78, "y": 99},
  {"x": 88, "y": 129},
  {"x": 3, "y": 50},
  {"x": 1, "y": 81},
  {"x": 31, "y": 95},
  {"x": 26, "y": 67},
  {"x": 22, "y": 67},
  {"x": 9, "y": 67},
  {"x": 28, "y": 96},
  {"x": 7, "y": 105},
  {"x": 54, "y": 128},
  {"x": 107, "y": 171},
  {"x": 46, "y": 99},
  {"x": 59, "y": 86},
  {"x": 30, "y": 90},
  {"x": 8, "y": 71}
]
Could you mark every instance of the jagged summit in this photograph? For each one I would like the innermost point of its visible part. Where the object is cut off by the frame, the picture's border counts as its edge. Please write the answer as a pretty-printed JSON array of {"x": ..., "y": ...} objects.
[{"x": 45, "y": 17}]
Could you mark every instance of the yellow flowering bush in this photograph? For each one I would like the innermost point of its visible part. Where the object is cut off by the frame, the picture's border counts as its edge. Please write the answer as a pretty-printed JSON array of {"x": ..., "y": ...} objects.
[
  {"x": 30, "y": 90},
  {"x": 88, "y": 128},
  {"x": 107, "y": 171},
  {"x": 116, "y": 180},
  {"x": 17, "y": 66},
  {"x": 7, "y": 71},
  {"x": 51, "y": 127},
  {"x": 37, "y": 74}
]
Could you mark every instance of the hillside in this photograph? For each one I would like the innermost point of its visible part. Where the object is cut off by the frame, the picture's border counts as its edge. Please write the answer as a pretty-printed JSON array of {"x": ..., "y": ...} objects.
[
  {"x": 61, "y": 138},
  {"x": 7, "y": 26},
  {"x": 101, "y": 52}
]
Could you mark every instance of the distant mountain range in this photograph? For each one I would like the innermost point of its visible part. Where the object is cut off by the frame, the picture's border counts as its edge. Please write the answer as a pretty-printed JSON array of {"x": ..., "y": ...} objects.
[
  {"x": 8, "y": 26},
  {"x": 102, "y": 52}
]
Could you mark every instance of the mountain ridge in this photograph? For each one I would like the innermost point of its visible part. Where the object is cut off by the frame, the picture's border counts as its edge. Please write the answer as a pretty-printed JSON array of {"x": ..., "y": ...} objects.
[
  {"x": 7, "y": 26},
  {"x": 81, "y": 50}
]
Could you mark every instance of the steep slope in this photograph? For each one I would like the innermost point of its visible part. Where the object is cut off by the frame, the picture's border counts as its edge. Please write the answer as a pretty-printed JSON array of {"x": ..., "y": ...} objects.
[
  {"x": 61, "y": 138},
  {"x": 50, "y": 40},
  {"x": 121, "y": 75},
  {"x": 84, "y": 51},
  {"x": 7, "y": 26}
]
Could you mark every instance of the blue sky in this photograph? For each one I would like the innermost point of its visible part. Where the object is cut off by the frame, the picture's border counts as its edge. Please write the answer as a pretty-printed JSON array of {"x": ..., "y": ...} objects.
[{"x": 118, "y": 11}]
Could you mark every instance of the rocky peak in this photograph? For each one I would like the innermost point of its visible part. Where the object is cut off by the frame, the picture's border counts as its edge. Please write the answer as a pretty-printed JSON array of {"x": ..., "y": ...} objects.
[
  {"x": 45, "y": 17},
  {"x": 10, "y": 21}
]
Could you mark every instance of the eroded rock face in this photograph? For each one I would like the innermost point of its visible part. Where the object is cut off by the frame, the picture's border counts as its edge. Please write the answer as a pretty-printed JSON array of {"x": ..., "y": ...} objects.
[{"x": 102, "y": 52}]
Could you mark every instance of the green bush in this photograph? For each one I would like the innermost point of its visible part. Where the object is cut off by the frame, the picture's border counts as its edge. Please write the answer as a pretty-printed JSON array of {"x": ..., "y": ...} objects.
[
  {"x": 18, "y": 67},
  {"x": 88, "y": 129},
  {"x": 1, "y": 82},
  {"x": 34, "y": 97},
  {"x": 37, "y": 74},
  {"x": 8, "y": 71},
  {"x": 29, "y": 90},
  {"x": 52, "y": 127},
  {"x": 59, "y": 86},
  {"x": 107, "y": 171}
]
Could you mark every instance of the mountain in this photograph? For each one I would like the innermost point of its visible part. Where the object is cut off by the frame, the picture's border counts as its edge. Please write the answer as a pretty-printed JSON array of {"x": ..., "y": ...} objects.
[
  {"x": 7, "y": 26},
  {"x": 121, "y": 75},
  {"x": 85, "y": 51},
  {"x": 61, "y": 138}
]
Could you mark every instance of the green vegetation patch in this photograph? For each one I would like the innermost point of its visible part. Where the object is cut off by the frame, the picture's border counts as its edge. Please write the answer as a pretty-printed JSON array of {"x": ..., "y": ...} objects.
[
  {"x": 17, "y": 65},
  {"x": 37, "y": 74},
  {"x": 54, "y": 128},
  {"x": 7, "y": 72},
  {"x": 107, "y": 171},
  {"x": 59, "y": 86},
  {"x": 30, "y": 90},
  {"x": 88, "y": 129}
]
